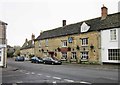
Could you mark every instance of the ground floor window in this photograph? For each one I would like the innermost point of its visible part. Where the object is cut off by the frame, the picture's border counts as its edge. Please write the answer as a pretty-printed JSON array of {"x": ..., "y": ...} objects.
[
  {"x": 113, "y": 54},
  {"x": 84, "y": 55},
  {"x": 74, "y": 55},
  {"x": 64, "y": 55}
]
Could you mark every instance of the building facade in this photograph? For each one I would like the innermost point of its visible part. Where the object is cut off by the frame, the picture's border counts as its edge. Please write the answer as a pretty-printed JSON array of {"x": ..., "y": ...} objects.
[
  {"x": 110, "y": 45},
  {"x": 27, "y": 49},
  {"x": 3, "y": 44},
  {"x": 79, "y": 42}
]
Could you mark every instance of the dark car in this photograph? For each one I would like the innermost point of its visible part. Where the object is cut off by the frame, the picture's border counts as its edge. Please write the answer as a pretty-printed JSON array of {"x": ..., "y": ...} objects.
[
  {"x": 19, "y": 58},
  {"x": 36, "y": 60},
  {"x": 50, "y": 60}
]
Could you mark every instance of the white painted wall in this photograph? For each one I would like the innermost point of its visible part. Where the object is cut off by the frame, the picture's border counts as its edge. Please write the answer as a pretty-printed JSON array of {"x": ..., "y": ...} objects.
[{"x": 106, "y": 44}]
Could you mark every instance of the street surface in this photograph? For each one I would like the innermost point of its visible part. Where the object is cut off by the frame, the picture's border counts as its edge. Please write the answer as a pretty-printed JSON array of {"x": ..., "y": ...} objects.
[{"x": 27, "y": 72}]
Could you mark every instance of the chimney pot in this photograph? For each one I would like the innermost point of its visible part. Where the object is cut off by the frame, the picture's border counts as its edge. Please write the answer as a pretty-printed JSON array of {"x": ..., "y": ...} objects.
[
  {"x": 64, "y": 22},
  {"x": 104, "y": 12},
  {"x": 33, "y": 36}
]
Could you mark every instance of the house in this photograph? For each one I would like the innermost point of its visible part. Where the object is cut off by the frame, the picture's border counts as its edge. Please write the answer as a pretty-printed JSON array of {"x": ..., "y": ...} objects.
[
  {"x": 3, "y": 44},
  {"x": 78, "y": 42},
  {"x": 27, "y": 50}
]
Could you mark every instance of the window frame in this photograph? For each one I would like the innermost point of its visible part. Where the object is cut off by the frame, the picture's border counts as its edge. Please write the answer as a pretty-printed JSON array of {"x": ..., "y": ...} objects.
[
  {"x": 64, "y": 43},
  {"x": 84, "y": 55},
  {"x": 113, "y": 35},
  {"x": 74, "y": 55},
  {"x": 84, "y": 42},
  {"x": 113, "y": 54},
  {"x": 46, "y": 42}
]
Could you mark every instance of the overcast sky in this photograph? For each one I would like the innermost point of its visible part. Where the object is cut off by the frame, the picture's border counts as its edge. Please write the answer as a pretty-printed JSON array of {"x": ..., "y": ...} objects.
[{"x": 25, "y": 17}]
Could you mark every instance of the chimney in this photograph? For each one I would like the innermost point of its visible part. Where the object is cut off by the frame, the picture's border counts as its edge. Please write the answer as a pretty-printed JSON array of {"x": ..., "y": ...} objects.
[
  {"x": 26, "y": 40},
  {"x": 104, "y": 12},
  {"x": 32, "y": 37},
  {"x": 64, "y": 22}
]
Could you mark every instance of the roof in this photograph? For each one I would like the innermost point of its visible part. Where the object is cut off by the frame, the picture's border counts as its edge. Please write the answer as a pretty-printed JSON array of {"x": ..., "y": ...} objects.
[
  {"x": 95, "y": 24},
  {"x": 3, "y": 23},
  {"x": 27, "y": 45}
]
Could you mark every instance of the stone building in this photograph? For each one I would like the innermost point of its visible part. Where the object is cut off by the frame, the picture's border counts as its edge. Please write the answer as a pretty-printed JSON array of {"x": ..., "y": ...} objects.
[
  {"x": 78, "y": 42},
  {"x": 3, "y": 44},
  {"x": 27, "y": 49}
]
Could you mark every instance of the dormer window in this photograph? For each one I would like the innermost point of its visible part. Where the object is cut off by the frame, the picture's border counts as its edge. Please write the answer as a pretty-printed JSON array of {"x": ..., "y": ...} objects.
[{"x": 84, "y": 27}]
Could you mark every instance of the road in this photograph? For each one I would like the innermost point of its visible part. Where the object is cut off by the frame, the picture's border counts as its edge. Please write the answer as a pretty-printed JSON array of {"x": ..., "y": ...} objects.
[{"x": 27, "y": 72}]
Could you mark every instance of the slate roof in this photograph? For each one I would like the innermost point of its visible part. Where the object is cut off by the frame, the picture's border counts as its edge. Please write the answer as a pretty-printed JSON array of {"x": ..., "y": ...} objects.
[
  {"x": 95, "y": 24},
  {"x": 3, "y": 23},
  {"x": 27, "y": 45}
]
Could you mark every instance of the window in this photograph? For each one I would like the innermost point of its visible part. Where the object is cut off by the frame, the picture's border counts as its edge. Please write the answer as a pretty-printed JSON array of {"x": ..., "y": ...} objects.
[
  {"x": 73, "y": 55},
  {"x": 84, "y": 41},
  {"x": 64, "y": 55},
  {"x": 113, "y": 35},
  {"x": 64, "y": 43},
  {"x": 113, "y": 54},
  {"x": 46, "y": 42},
  {"x": 84, "y": 55},
  {"x": 39, "y": 43}
]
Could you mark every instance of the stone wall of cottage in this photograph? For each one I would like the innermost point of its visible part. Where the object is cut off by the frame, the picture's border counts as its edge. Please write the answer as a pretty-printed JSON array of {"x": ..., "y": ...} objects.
[{"x": 41, "y": 50}]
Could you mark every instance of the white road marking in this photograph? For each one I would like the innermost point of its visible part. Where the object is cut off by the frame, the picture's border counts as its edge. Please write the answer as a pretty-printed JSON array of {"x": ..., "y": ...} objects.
[
  {"x": 19, "y": 82},
  {"x": 54, "y": 82},
  {"x": 56, "y": 77},
  {"x": 32, "y": 73},
  {"x": 39, "y": 74},
  {"x": 85, "y": 82},
  {"x": 48, "y": 76},
  {"x": 69, "y": 80},
  {"x": 27, "y": 73}
]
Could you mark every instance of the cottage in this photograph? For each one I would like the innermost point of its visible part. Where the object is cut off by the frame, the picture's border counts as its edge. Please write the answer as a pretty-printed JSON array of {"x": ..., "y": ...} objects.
[
  {"x": 82, "y": 41},
  {"x": 27, "y": 50}
]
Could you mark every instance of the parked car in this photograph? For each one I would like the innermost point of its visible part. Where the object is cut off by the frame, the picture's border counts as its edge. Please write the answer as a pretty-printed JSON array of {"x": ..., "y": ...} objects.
[
  {"x": 50, "y": 60},
  {"x": 19, "y": 58},
  {"x": 36, "y": 60}
]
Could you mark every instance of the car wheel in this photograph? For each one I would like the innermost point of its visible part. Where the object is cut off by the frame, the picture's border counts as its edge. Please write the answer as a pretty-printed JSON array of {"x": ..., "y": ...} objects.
[
  {"x": 52, "y": 63},
  {"x": 44, "y": 62}
]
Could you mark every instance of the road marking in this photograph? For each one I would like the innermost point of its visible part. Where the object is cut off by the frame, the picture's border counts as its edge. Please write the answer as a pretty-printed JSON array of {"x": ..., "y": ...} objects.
[
  {"x": 39, "y": 74},
  {"x": 27, "y": 73},
  {"x": 32, "y": 73},
  {"x": 69, "y": 80},
  {"x": 56, "y": 77},
  {"x": 48, "y": 76},
  {"x": 85, "y": 82},
  {"x": 19, "y": 82},
  {"x": 54, "y": 82}
]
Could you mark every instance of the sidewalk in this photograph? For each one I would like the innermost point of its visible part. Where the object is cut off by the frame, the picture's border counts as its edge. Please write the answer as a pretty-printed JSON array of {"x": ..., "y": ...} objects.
[{"x": 99, "y": 67}]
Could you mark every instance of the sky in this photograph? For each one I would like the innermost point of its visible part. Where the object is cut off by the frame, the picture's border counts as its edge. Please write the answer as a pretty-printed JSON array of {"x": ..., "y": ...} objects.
[{"x": 25, "y": 17}]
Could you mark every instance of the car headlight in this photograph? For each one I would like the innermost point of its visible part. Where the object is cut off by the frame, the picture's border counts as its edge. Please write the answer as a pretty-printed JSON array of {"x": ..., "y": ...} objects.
[{"x": 56, "y": 61}]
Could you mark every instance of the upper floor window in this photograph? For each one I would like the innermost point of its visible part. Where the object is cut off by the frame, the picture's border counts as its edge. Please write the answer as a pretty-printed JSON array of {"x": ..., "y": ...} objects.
[
  {"x": 84, "y": 41},
  {"x": 64, "y": 43},
  {"x": 46, "y": 42},
  {"x": 113, "y": 34},
  {"x": 39, "y": 43}
]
